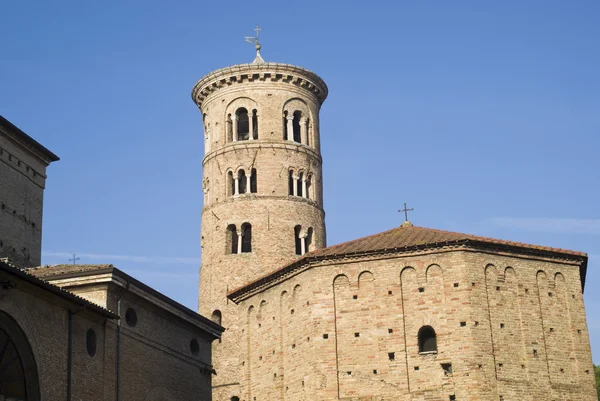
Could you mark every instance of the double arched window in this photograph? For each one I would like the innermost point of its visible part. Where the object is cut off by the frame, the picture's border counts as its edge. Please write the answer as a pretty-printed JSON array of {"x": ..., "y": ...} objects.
[
  {"x": 239, "y": 241},
  {"x": 300, "y": 184},
  {"x": 242, "y": 125},
  {"x": 427, "y": 340},
  {"x": 241, "y": 182},
  {"x": 295, "y": 127},
  {"x": 302, "y": 239}
]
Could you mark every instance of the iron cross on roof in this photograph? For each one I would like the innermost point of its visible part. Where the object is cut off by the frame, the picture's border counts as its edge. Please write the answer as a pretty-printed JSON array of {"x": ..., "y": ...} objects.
[
  {"x": 406, "y": 210},
  {"x": 254, "y": 39},
  {"x": 74, "y": 259}
]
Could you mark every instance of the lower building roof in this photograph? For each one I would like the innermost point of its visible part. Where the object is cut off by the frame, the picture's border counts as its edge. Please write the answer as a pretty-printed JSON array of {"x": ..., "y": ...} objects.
[{"x": 406, "y": 238}]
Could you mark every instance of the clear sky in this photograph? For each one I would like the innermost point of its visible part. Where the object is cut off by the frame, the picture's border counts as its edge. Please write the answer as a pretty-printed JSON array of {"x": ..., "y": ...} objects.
[{"x": 483, "y": 116}]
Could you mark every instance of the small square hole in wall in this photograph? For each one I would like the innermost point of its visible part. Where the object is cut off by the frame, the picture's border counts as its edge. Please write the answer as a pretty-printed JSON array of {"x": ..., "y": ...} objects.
[
  {"x": 326, "y": 336},
  {"x": 463, "y": 324},
  {"x": 356, "y": 334},
  {"x": 293, "y": 346},
  {"x": 260, "y": 358},
  {"x": 390, "y": 331},
  {"x": 549, "y": 294},
  {"x": 354, "y": 296},
  {"x": 455, "y": 284},
  {"x": 389, "y": 292},
  {"x": 273, "y": 317},
  {"x": 551, "y": 329},
  {"x": 307, "y": 303},
  {"x": 447, "y": 367},
  {"x": 259, "y": 325},
  {"x": 416, "y": 368},
  {"x": 573, "y": 296},
  {"x": 274, "y": 375},
  {"x": 291, "y": 312},
  {"x": 307, "y": 338},
  {"x": 349, "y": 373},
  {"x": 452, "y": 398},
  {"x": 522, "y": 366},
  {"x": 480, "y": 366},
  {"x": 500, "y": 365},
  {"x": 476, "y": 324},
  {"x": 526, "y": 290},
  {"x": 391, "y": 356},
  {"x": 243, "y": 363},
  {"x": 587, "y": 371},
  {"x": 535, "y": 353},
  {"x": 374, "y": 371},
  {"x": 562, "y": 370},
  {"x": 302, "y": 383},
  {"x": 473, "y": 284},
  {"x": 579, "y": 331},
  {"x": 421, "y": 289},
  {"x": 501, "y": 325},
  {"x": 273, "y": 352},
  {"x": 498, "y": 288}
]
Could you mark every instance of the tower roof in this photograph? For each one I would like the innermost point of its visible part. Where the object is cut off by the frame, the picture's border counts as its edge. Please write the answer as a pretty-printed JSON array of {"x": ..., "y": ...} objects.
[
  {"x": 404, "y": 239},
  {"x": 259, "y": 71}
]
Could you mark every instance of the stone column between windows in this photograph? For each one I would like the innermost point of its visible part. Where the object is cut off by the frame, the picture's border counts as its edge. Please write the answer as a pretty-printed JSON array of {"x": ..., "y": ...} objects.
[
  {"x": 303, "y": 131},
  {"x": 234, "y": 123},
  {"x": 303, "y": 245},
  {"x": 290, "y": 128},
  {"x": 239, "y": 243},
  {"x": 304, "y": 193},
  {"x": 248, "y": 176},
  {"x": 295, "y": 180},
  {"x": 251, "y": 125},
  {"x": 237, "y": 186}
]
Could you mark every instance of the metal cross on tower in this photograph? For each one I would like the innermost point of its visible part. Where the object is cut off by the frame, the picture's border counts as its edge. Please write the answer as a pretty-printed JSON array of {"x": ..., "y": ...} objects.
[
  {"x": 406, "y": 210},
  {"x": 74, "y": 259},
  {"x": 254, "y": 39}
]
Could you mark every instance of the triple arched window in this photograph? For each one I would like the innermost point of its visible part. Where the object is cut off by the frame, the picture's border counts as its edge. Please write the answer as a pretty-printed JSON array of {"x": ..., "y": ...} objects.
[
  {"x": 303, "y": 239},
  {"x": 300, "y": 184},
  {"x": 239, "y": 240},
  {"x": 242, "y": 125},
  {"x": 241, "y": 182},
  {"x": 295, "y": 127}
]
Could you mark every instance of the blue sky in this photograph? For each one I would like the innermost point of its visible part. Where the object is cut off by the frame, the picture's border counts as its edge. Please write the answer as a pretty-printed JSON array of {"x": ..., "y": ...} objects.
[{"x": 483, "y": 116}]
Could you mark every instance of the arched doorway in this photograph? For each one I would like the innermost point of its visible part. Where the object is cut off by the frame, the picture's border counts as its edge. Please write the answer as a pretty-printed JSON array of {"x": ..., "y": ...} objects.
[{"x": 18, "y": 370}]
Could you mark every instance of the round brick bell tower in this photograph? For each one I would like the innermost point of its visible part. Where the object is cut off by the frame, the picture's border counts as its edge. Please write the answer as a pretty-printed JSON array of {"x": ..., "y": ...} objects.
[{"x": 263, "y": 192}]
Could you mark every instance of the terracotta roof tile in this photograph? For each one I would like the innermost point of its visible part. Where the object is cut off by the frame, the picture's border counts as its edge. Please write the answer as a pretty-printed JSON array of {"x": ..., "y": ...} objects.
[
  {"x": 404, "y": 238},
  {"x": 55, "y": 270}
]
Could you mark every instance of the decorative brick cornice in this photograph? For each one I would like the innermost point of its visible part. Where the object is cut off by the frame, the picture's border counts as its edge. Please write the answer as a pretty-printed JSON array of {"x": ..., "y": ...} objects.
[
  {"x": 272, "y": 72},
  {"x": 310, "y": 260}
]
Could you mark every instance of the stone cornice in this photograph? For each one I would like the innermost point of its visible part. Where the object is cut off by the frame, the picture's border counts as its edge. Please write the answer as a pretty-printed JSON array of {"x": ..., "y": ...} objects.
[
  {"x": 274, "y": 72},
  {"x": 263, "y": 144},
  {"x": 256, "y": 197},
  {"x": 307, "y": 262}
]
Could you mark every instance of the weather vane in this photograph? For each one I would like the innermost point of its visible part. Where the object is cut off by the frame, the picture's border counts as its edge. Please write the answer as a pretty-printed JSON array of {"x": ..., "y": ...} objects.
[{"x": 256, "y": 43}]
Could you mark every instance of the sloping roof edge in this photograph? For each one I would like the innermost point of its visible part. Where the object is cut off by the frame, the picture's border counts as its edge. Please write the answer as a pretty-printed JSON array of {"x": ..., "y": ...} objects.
[
  {"x": 26, "y": 139},
  {"x": 470, "y": 241},
  {"x": 23, "y": 275}
]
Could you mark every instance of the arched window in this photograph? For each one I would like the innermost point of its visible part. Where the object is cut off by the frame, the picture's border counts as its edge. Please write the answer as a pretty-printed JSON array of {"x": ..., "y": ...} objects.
[
  {"x": 308, "y": 241},
  {"x": 243, "y": 124},
  {"x": 291, "y": 182},
  {"x": 254, "y": 124},
  {"x": 296, "y": 126},
  {"x": 427, "y": 339},
  {"x": 216, "y": 317},
  {"x": 299, "y": 184},
  {"x": 231, "y": 239},
  {"x": 235, "y": 398},
  {"x": 309, "y": 189},
  {"x": 285, "y": 126},
  {"x": 230, "y": 184},
  {"x": 308, "y": 133},
  {"x": 242, "y": 181},
  {"x": 298, "y": 240},
  {"x": 18, "y": 378},
  {"x": 253, "y": 188},
  {"x": 229, "y": 128},
  {"x": 246, "y": 238}
]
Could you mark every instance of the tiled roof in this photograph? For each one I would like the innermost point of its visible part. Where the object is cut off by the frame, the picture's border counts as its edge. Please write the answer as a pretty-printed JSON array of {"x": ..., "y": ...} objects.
[
  {"x": 25, "y": 274},
  {"x": 55, "y": 270},
  {"x": 402, "y": 239}
]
